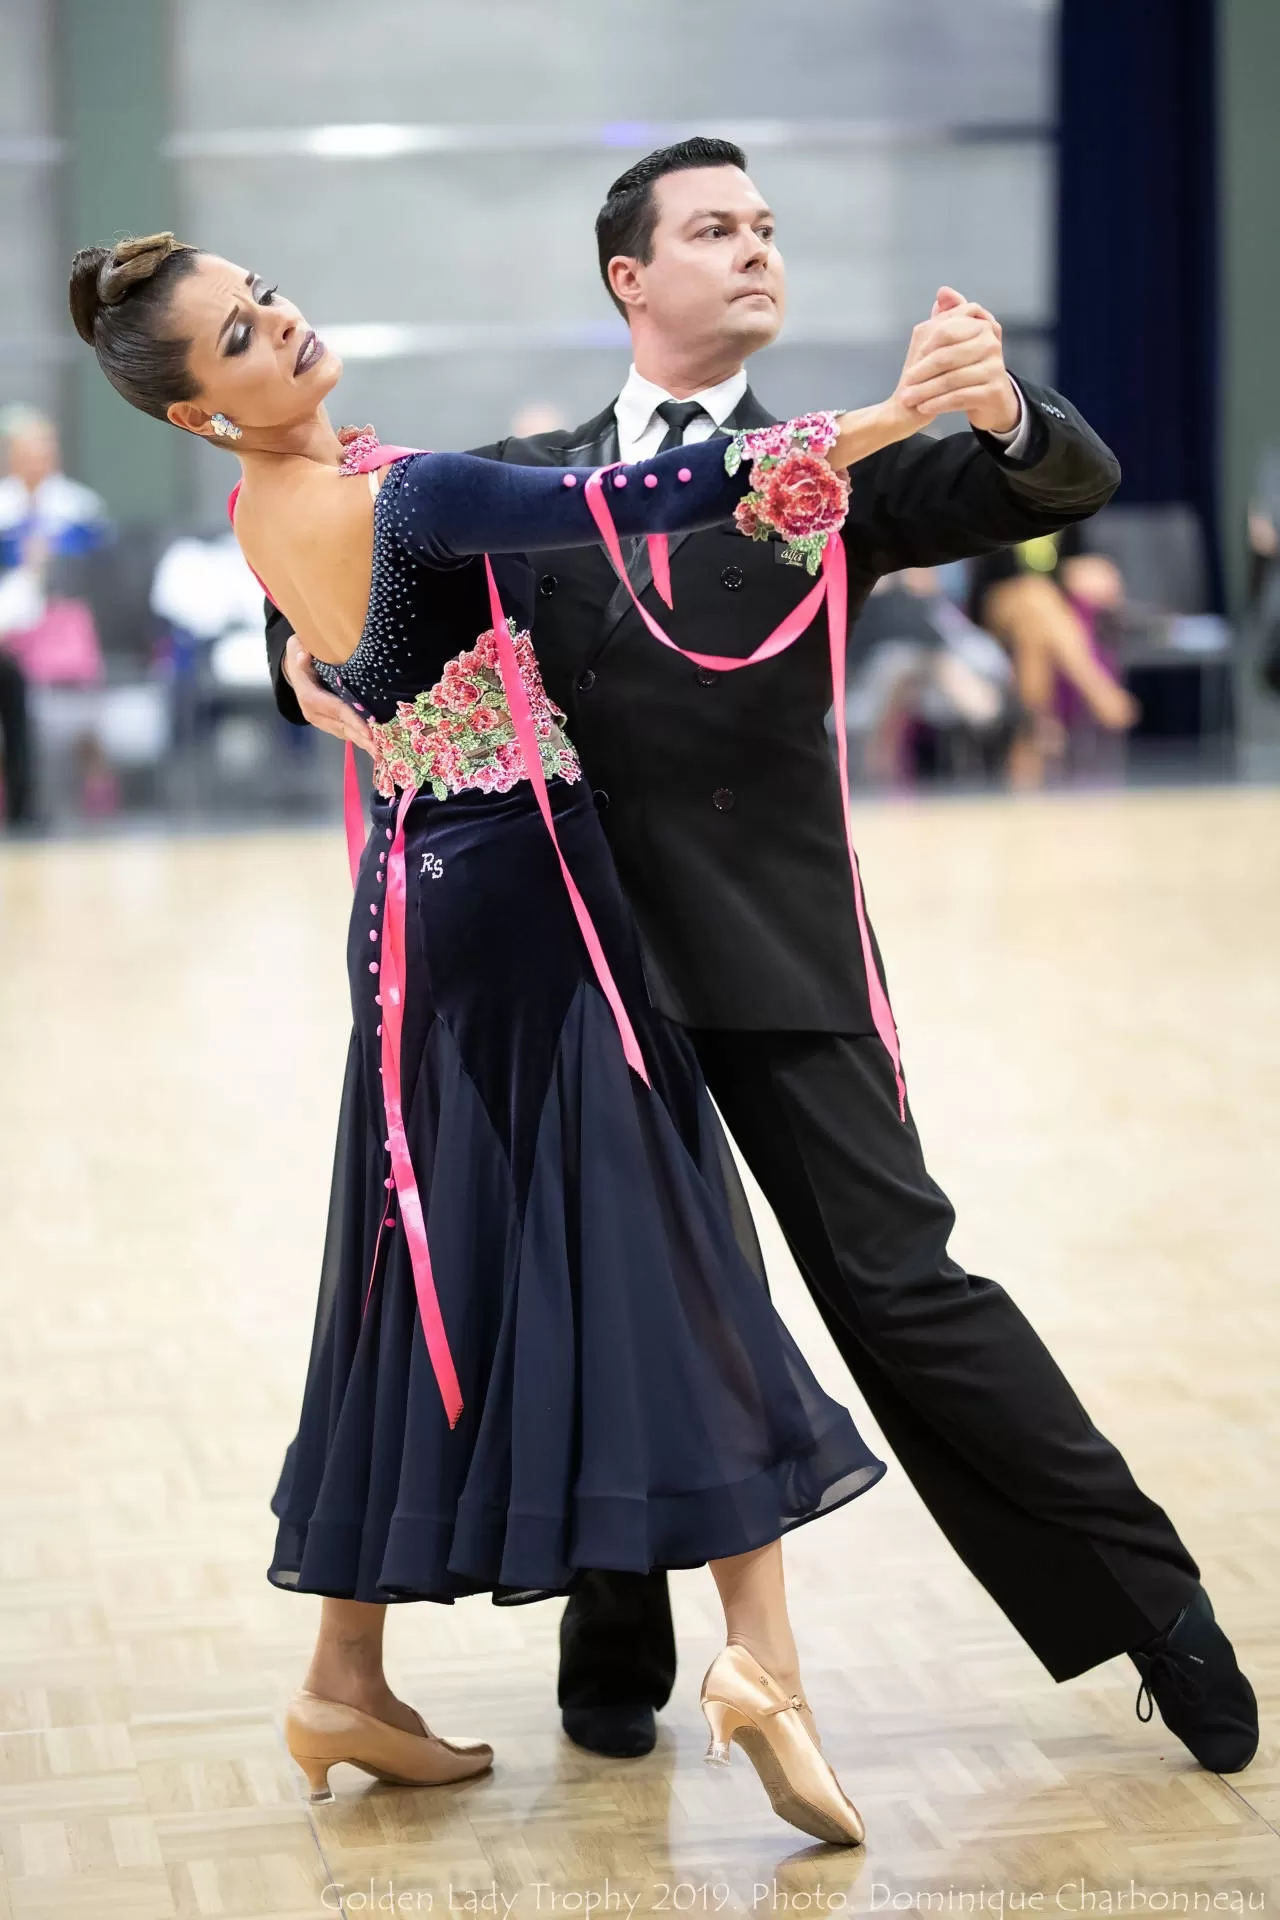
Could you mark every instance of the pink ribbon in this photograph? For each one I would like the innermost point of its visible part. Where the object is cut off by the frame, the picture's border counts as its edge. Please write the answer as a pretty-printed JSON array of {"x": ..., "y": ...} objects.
[
  {"x": 834, "y": 588},
  {"x": 392, "y": 976},
  {"x": 352, "y": 812},
  {"x": 660, "y": 567},
  {"x": 526, "y": 733}
]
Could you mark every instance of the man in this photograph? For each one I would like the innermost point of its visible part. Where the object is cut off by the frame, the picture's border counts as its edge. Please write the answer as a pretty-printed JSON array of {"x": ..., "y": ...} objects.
[{"x": 725, "y": 816}]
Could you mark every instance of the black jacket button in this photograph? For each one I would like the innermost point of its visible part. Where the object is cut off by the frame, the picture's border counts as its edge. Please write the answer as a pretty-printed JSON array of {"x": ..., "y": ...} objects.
[
  {"x": 723, "y": 798},
  {"x": 601, "y": 799},
  {"x": 707, "y": 677},
  {"x": 586, "y": 681},
  {"x": 547, "y": 585},
  {"x": 732, "y": 577}
]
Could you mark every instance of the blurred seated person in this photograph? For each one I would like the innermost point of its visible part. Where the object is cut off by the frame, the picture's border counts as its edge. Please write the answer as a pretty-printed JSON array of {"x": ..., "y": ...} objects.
[
  {"x": 44, "y": 516},
  {"x": 36, "y": 497},
  {"x": 22, "y": 606},
  {"x": 1042, "y": 600},
  {"x": 917, "y": 658},
  {"x": 1263, "y": 591},
  {"x": 41, "y": 510}
]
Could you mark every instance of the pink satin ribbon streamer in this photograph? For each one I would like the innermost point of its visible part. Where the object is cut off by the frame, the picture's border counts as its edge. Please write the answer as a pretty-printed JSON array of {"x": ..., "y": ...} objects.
[
  {"x": 392, "y": 977},
  {"x": 834, "y": 588},
  {"x": 526, "y": 733},
  {"x": 352, "y": 811},
  {"x": 836, "y": 573},
  {"x": 660, "y": 567}
]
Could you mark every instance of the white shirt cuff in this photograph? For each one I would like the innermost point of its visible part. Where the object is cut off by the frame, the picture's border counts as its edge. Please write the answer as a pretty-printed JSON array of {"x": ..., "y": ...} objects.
[{"x": 1015, "y": 439}]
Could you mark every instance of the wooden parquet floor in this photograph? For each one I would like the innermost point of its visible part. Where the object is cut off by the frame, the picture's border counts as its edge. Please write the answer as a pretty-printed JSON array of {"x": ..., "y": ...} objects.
[{"x": 1087, "y": 989}]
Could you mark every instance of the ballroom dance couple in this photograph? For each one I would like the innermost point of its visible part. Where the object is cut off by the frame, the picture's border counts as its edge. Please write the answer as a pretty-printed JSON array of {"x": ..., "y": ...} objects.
[{"x": 608, "y": 878}]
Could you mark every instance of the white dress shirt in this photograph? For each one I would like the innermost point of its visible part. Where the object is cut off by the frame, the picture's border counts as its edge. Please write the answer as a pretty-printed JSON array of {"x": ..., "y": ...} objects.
[{"x": 641, "y": 428}]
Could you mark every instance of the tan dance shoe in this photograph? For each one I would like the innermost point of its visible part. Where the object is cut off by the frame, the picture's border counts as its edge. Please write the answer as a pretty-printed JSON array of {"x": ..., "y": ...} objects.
[
  {"x": 741, "y": 1702},
  {"x": 319, "y": 1733}
]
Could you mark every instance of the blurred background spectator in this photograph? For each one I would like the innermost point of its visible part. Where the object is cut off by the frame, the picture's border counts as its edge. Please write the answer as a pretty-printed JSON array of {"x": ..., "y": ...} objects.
[
  {"x": 1046, "y": 616},
  {"x": 47, "y": 636},
  {"x": 923, "y": 670},
  {"x": 1263, "y": 593}
]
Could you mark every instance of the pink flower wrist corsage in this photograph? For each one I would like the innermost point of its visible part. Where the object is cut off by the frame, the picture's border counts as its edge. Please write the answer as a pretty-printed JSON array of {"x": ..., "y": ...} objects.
[{"x": 794, "y": 491}]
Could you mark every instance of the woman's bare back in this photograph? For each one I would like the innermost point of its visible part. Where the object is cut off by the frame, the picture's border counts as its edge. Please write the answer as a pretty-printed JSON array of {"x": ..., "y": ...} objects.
[{"x": 307, "y": 532}]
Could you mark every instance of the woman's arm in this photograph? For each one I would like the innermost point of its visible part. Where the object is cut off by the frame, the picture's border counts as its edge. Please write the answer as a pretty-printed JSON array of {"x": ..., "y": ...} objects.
[{"x": 452, "y": 504}]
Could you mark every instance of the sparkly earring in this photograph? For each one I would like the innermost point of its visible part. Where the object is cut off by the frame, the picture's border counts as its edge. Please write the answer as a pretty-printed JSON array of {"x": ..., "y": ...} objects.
[{"x": 226, "y": 429}]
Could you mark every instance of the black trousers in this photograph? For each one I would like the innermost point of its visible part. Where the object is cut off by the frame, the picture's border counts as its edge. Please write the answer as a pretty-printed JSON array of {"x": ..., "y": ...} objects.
[
  {"x": 15, "y": 737},
  {"x": 1038, "y": 1504}
]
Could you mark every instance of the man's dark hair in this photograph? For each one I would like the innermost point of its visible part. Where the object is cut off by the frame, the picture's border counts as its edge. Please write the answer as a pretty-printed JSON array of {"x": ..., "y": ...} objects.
[{"x": 626, "y": 221}]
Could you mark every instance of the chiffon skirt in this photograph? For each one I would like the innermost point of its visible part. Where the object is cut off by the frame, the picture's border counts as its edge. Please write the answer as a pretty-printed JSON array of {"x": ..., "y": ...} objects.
[{"x": 631, "y": 1399}]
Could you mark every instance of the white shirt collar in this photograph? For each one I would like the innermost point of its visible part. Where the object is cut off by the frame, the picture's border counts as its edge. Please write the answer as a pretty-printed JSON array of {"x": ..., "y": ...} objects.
[{"x": 639, "y": 399}]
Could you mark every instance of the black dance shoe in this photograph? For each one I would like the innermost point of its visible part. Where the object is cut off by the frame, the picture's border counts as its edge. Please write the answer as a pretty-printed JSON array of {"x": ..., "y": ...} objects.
[
  {"x": 1190, "y": 1672},
  {"x": 621, "y": 1732}
]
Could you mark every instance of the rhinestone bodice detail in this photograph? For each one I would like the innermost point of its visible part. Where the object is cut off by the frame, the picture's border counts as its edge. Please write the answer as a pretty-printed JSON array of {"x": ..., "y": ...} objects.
[{"x": 424, "y": 672}]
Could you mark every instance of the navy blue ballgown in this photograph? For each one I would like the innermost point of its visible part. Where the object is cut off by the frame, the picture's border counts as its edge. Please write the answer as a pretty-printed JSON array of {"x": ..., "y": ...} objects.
[{"x": 631, "y": 1399}]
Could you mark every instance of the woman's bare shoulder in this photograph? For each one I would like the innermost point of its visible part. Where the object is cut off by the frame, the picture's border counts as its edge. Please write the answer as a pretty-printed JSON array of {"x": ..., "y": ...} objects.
[
  {"x": 309, "y": 536},
  {"x": 318, "y": 514}
]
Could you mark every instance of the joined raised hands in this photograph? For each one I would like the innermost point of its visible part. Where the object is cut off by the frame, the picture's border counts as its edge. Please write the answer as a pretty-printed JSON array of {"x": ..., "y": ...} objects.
[{"x": 955, "y": 364}]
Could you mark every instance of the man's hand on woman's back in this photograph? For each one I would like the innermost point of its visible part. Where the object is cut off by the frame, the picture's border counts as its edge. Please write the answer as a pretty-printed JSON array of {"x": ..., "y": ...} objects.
[{"x": 320, "y": 708}]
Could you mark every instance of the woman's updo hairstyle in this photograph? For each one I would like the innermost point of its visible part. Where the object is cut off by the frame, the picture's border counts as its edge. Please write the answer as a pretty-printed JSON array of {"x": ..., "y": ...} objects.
[{"x": 120, "y": 299}]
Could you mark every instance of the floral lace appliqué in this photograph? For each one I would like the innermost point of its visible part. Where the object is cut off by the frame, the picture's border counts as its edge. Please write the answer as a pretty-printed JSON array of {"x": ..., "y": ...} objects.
[
  {"x": 460, "y": 733},
  {"x": 795, "y": 492}
]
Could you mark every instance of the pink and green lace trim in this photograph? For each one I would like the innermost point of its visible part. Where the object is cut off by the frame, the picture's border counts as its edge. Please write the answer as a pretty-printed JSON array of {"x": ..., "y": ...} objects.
[
  {"x": 795, "y": 492},
  {"x": 460, "y": 733}
]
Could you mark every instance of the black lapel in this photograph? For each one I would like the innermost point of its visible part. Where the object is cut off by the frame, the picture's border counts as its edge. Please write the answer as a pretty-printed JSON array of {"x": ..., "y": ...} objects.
[
  {"x": 594, "y": 444},
  {"x": 748, "y": 413}
]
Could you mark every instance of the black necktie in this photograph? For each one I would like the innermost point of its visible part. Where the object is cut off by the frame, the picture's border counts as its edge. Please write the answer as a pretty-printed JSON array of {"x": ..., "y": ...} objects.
[{"x": 677, "y": 414}]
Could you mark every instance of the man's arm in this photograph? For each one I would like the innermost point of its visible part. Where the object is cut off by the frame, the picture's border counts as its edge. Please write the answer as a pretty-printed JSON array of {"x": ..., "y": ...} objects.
[
  {"x": 924, "y": 502},
  {"x": 279, "y": 633},
  {"x": 300, "y": 696}
]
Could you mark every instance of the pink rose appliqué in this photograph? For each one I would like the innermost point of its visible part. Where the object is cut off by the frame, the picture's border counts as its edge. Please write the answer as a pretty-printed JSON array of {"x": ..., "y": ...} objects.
[
  {"x": 747, "y": 516},
  {"x": 459, "y": 695},
  {"x": 802, "y": 494},
  {"x": 459, "y": 733},
  {"x": 794, "y": 491}
]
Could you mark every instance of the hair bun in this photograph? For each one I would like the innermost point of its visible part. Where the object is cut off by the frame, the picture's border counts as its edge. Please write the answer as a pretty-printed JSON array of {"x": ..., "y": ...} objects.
[{"x": 102, "y": 276}]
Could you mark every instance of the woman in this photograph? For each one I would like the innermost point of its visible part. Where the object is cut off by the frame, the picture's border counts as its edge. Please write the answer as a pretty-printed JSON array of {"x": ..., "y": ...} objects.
[
  {"x": 612, "y": 1387},
  {"x": 1033, "y": 598}
]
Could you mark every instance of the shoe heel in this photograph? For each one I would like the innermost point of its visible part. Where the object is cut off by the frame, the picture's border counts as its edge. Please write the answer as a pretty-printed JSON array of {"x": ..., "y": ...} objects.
[
  {"x": 721, "y": 1720},
  {"x": 317, "y": 1772}
]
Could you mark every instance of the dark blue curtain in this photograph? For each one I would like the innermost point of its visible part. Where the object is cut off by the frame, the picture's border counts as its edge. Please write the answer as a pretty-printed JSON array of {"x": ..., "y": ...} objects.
[{"x": 1137, "y": 242}]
